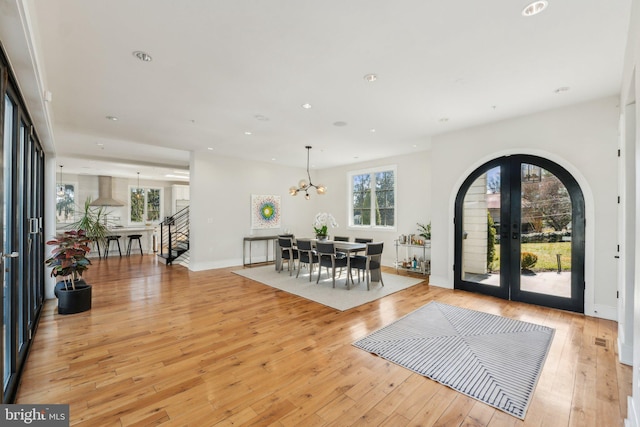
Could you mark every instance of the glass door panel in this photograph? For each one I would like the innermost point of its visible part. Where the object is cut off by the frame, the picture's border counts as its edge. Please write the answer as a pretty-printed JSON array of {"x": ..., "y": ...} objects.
[
  {"x": 480, "y": 211},
  {"x": 480, "y": 207},
  {"x": 7, "y": 324},
  {"x": 545, "y": 246},
  {"x": 18, "y": 172}
]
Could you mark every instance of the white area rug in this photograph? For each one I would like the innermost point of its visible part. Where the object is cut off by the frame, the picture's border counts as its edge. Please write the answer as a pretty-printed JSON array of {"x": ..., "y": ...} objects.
[
  {"x": 339, "y": 298},
  {"x": 490, "y": 358}
]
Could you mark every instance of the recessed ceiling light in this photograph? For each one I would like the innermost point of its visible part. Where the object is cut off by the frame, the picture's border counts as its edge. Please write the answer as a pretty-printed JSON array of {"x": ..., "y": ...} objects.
[
  {"x": 112, "y": 118},
  {"x": 142, "y": 56},
  {"x": 339, "y": 124},
  {"x": 372, "y": 130},
  {"x": 535, "y": 8},
  {"x": 210, "y": 148},
  {"x": 248, "y": 133},
  {"x": 370, "y": 77},
  {"x": 306, "y": 106},
  {"x": 273, "y": 159},
  {"x": 562, "y": 89}
]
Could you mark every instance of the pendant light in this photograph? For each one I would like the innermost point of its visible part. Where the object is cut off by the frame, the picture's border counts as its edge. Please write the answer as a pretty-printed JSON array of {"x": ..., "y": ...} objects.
[
  {"x": 138, "y": 192},
  {"x": 304, "y": 186},
  {"x": 60, "y": 190}
]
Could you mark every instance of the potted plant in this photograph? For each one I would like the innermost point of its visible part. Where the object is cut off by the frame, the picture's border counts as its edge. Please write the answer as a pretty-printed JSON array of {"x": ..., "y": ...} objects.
[
  {"x": 68, "y": 261},
  {"x": 93, "y": 220},
  {"x": 424, "y": 231},
  {"x": 322, "y": 221}
]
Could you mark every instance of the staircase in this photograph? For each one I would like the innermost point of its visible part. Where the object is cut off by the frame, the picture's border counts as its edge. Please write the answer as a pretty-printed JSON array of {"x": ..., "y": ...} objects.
[{"x": 174, "y": 237}]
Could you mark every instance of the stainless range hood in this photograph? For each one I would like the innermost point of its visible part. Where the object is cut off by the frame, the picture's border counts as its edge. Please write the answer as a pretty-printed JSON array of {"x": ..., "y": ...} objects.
[{"x": 105, "y": 193}]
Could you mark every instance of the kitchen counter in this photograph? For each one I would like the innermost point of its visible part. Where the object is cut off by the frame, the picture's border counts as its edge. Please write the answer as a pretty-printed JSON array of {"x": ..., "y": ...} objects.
[{"x": 146, "y": 240}]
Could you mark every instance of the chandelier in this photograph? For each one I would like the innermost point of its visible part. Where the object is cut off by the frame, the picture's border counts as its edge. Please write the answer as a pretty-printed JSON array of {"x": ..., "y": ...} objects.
[{"x": 304, "y": 186}]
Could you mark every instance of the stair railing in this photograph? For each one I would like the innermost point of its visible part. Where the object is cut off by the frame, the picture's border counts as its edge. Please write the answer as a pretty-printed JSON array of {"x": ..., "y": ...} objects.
[{"x": 174, "y": 235}]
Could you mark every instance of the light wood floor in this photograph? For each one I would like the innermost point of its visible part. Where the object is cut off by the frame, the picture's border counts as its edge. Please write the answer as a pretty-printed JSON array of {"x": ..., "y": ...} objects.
[{"x": 163, "y": 345}]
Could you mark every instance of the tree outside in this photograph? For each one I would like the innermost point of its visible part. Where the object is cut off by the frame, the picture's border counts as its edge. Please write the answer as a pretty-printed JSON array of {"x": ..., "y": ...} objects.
[
  {"x": 137, "y": 205},
  {"x": 546, "y": 209},
  {"x": 546, "y": 203}
]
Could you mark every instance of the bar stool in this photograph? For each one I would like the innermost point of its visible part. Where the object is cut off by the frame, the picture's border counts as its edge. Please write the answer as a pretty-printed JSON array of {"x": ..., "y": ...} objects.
[
  {"x": 97, "y": 242},
  {"x": 133, "y": 237},
  {"x": 109, "y": 239}
]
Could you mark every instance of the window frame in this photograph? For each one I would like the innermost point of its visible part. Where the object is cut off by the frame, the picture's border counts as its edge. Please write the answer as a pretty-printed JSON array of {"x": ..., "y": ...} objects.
[
  {"x": 372, "y": 172},
  {"x": 146, "y": 189}
]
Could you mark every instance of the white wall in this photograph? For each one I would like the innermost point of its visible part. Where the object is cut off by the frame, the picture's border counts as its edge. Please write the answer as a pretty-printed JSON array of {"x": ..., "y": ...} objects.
[
  {"x": 582, "y": 139},
  {"x": 221, "y": 189},
  {"x": 413, "y": 198},
  {"x": 87, "y": 186}
]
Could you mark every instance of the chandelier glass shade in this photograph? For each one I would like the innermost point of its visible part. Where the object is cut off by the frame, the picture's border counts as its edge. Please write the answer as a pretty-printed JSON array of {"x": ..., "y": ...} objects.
[{"x": 304, "y": 185}]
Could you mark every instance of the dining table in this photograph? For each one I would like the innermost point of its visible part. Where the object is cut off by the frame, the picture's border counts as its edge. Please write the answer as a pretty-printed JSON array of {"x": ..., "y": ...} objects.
[{"x": 347, "y": 247}]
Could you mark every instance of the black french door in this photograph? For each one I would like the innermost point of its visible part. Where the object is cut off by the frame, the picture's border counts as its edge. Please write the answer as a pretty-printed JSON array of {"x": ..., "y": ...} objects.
[
  {"x": 21, "y": 225},
  {"x": 519, "y": 233}
]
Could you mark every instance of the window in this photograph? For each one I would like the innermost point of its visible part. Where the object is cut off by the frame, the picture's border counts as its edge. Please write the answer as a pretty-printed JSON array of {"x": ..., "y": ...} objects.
[
  {"x": 65, "y": 203},
  {"x": 373, "y": 202},
  {"x": 145, "y": 204}
]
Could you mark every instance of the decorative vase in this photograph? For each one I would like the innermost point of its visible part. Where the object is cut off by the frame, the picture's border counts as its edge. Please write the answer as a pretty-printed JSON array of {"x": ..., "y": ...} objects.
[{"x": 321, "y": 237}]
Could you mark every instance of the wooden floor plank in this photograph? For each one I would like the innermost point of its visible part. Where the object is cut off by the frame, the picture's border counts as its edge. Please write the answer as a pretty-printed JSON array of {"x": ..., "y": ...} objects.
[{"x": 167, "y": 346}]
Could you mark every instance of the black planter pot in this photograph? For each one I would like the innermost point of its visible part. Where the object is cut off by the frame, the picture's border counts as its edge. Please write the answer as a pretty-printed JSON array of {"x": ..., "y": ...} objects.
[{"x": 73, "y": 301}]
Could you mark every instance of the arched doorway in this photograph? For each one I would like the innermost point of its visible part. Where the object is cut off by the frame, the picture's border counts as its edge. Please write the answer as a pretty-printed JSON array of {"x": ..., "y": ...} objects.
[{"x": 519, "y": 233}]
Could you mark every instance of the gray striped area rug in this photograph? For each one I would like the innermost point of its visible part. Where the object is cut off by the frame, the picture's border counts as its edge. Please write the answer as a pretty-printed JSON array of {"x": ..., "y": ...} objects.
[{"x": 490, "y": 358}]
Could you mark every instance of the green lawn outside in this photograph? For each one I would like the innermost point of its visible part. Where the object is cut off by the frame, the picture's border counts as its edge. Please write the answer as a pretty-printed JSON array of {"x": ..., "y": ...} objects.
[{"x": 546, "y": 253}]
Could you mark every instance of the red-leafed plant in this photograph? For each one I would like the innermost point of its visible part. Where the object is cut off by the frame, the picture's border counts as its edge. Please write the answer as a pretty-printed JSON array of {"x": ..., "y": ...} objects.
[{"x": 69, "y": 257}]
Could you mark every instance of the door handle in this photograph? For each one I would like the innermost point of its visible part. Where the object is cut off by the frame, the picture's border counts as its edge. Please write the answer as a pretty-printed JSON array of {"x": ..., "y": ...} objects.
[
  {"x": 11, "y": 255},
  {"x": 33, "y": 225}
]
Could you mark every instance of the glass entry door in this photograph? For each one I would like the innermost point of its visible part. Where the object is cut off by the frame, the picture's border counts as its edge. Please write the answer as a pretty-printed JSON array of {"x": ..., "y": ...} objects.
[{"x": 520, "y": 233}]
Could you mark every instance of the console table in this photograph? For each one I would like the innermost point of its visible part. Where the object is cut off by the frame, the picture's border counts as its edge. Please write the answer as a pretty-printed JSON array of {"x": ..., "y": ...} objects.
[{"x": 250, "y": 240}]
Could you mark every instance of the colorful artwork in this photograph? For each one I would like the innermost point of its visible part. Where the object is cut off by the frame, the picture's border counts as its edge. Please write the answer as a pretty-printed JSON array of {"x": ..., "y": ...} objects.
[{"x": 265, "y": 211}]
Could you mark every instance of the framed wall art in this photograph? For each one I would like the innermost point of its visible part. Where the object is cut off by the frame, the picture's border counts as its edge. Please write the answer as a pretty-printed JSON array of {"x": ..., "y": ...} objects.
[{"x": 265, "y": 211}]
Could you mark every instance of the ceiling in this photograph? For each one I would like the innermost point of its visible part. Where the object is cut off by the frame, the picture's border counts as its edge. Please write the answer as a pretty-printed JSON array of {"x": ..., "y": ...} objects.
[{"x": 229, "y": 78}]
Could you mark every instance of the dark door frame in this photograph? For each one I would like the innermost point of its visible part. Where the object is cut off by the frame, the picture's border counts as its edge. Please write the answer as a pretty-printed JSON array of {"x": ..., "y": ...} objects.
[{"x": 510, "y": 206}]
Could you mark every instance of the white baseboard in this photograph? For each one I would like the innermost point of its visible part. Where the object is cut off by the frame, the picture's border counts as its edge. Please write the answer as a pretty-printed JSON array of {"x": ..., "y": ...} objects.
[
  {"x": 603, "y": 312},
  {"x": 625, "y": 353},
  {"x": 210, "y": 265},
  {"x": 441, "y": 282}
]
